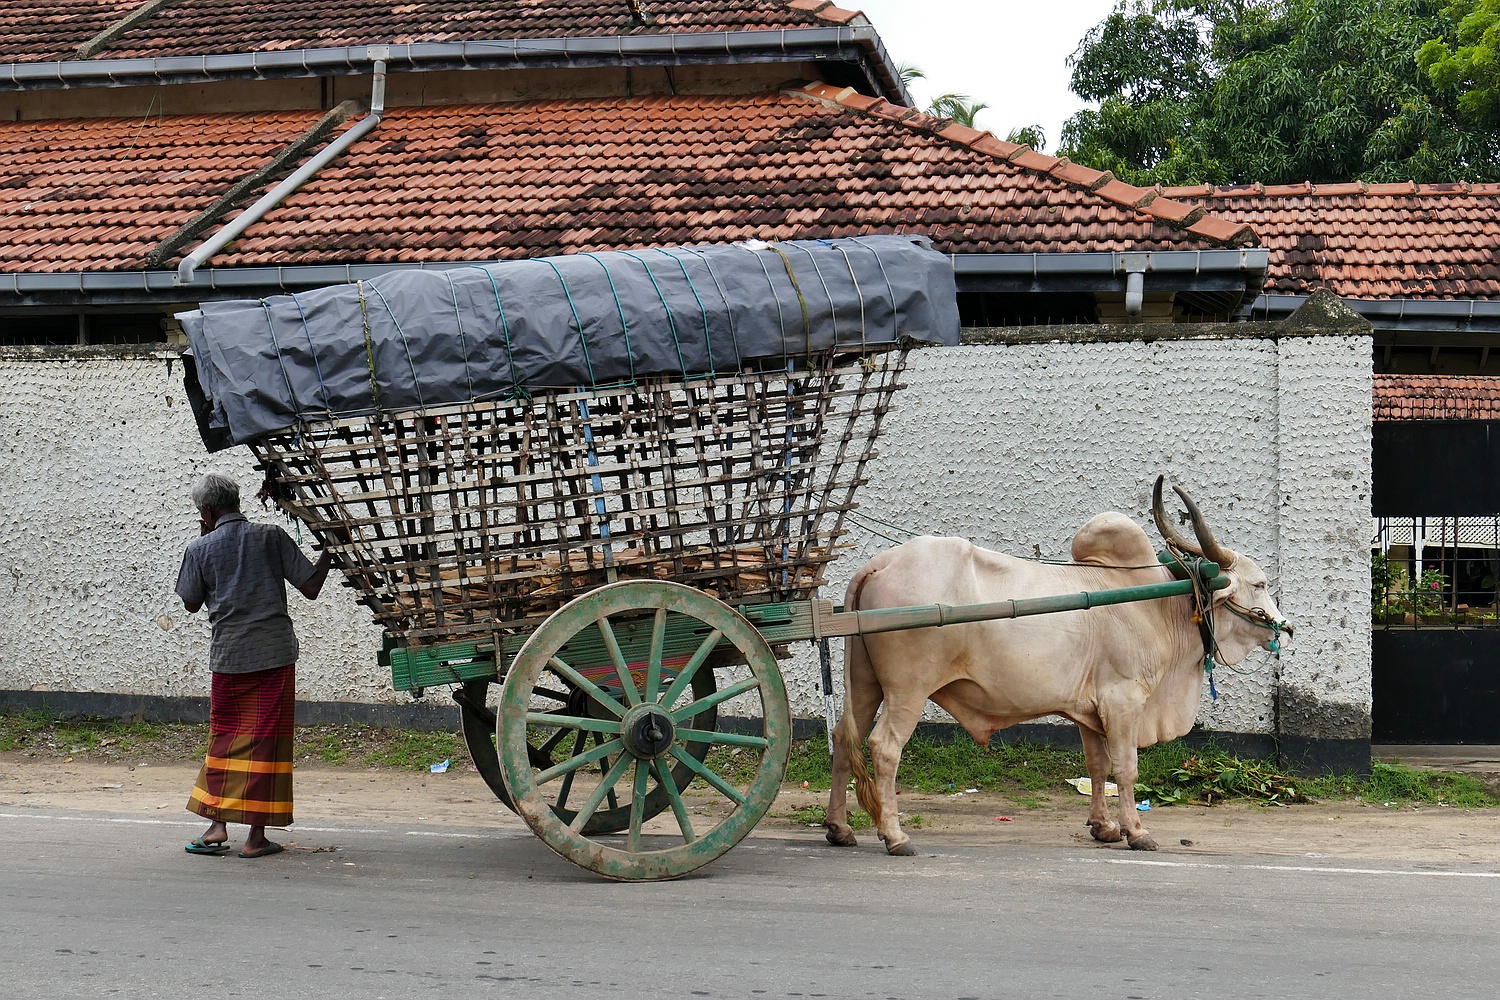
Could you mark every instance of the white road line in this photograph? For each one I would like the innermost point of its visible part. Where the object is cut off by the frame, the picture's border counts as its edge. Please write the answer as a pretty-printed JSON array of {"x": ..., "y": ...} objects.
[{"x": 1316, "y": 869}]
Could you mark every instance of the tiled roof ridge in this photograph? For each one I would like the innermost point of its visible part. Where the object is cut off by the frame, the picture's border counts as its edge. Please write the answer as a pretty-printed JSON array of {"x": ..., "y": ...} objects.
[
  {"x": 1329, "y": 190},
  {"x": 1148, "y": 201},
  {"x": 824, "y": 9}
]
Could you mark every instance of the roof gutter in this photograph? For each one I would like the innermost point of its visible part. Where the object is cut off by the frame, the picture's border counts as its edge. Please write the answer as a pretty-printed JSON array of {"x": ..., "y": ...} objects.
[
  {"x": 846, "y": 43},
  {"x": 299, "y": 177},
  {"x": 1129, "y": 271},
  {"x": 1414, "y": 315},
  {"x": 1181, "y": 269}
]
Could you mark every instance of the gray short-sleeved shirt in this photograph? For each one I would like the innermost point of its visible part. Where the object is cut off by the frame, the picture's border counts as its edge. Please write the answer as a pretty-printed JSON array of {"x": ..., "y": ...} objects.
[{"x": 237, "y": 570}]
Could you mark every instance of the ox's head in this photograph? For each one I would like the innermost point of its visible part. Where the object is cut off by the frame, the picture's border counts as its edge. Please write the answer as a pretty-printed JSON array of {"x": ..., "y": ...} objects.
[{"x": 1246, "y": 614}]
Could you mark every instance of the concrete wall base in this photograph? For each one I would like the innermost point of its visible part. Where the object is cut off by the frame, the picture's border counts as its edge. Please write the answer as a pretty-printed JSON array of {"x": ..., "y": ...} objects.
[{"x": 1298, "y": 755}]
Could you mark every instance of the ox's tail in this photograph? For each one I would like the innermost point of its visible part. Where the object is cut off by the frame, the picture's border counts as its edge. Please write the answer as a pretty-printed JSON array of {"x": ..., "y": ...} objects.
[{"x": 857, "y": 670}]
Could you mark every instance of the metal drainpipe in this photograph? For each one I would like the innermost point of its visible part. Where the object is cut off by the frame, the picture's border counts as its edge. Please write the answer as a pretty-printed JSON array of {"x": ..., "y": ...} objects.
[
  {"x": 1135, "y": 265},
  {"x": 301, "y": 176}
]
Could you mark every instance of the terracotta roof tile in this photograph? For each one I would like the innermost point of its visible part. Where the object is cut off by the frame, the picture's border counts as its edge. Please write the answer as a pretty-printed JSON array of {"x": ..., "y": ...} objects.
[
  {"x": 511, "y": 180},
  {"x": 1372, "y": 241},
  {"x": 32, "y": 32},
  {"x": 1439, "y": 397}
]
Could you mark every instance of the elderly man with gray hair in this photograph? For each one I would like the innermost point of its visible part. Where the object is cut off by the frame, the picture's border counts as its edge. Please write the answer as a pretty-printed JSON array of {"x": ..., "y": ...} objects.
[{"x": 239, "y": 570}]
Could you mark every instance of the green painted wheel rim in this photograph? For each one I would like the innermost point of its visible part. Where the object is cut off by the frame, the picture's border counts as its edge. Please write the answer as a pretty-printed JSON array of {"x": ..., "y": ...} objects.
[{"x": 737, "y": 795}]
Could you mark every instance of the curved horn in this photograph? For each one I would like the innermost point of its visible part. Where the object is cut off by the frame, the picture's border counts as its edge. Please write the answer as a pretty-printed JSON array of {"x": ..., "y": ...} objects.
[
  {"x": 1211, "y": 549},
  {"x": 1168, "y": 532}
]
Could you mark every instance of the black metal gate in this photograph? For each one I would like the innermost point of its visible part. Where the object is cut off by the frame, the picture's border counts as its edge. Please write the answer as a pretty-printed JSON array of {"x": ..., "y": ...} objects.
[{"x": 1436, "y": 655}]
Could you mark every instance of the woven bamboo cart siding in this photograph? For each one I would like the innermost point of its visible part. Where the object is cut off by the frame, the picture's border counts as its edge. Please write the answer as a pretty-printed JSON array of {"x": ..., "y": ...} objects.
[{"x": 478, "y": 518}]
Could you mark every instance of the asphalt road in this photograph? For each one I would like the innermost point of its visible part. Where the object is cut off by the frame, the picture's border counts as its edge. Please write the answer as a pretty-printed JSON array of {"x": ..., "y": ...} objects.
[{"x": 97, "y": 905}]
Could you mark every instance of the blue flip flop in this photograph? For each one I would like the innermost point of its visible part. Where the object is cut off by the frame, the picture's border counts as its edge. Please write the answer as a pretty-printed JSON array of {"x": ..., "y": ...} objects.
[
  {"x": 271, "y": 848},
  {"x": 200, "y": 846}
]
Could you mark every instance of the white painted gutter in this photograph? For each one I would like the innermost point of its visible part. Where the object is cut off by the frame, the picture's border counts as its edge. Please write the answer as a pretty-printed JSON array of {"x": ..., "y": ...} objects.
[{"x": 301, "y": 176}]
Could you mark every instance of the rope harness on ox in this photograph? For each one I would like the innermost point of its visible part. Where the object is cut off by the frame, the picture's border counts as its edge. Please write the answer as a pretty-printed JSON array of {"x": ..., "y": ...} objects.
[{"x": 1203, "y": 615}]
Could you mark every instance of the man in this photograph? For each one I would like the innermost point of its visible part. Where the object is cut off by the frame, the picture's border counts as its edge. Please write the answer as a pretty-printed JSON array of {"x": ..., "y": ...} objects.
[{"x": 237, "y": 569}]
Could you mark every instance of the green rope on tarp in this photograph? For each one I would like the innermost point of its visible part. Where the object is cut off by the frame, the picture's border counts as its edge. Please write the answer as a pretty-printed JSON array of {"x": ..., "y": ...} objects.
[
  {"x": 510, "y": 355},
  {"x": 620, "y": 309},
  {"x": 739, "y": 360},
  {"x": 311, "y": 349},
  {"x": 364, "y": 317},
  {"x": 463, "y": 343},
  {"x": 833, "y": 311},
  {"x": 671, "y": 321},
  {"x": 577, "y": 322},
  {"x": 291, "y": 394},
  {"x": 411, "y": 363},
  {"x": 802, "y": 299},
  {"x": 708, "y": 344}
]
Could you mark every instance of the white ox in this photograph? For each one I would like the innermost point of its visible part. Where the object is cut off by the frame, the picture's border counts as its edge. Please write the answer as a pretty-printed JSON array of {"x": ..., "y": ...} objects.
[{"x": 1129, "y": 675}]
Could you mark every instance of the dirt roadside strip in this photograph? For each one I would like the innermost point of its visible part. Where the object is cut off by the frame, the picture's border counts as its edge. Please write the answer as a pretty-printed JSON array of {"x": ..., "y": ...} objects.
[{"x": 337, "y": 797}]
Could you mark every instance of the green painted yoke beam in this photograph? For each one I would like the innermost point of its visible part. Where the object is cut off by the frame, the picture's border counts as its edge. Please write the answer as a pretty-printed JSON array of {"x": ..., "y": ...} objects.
[{"x": 779, "y": 624}]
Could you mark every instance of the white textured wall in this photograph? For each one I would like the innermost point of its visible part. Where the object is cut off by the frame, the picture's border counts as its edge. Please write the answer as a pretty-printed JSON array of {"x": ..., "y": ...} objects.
[
  {"x": 96, "y": 459},
  {"x": 1011, "y": 446}
]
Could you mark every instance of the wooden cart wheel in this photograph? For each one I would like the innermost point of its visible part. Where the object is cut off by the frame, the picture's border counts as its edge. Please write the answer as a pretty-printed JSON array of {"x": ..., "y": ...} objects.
[
  {"x": 479, "y": 725},
  {"x": 648, "y": 714}
]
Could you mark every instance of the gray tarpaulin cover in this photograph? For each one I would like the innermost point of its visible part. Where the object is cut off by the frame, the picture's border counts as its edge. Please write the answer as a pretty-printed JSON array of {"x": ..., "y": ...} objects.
[{"x": 415, "y": 338}]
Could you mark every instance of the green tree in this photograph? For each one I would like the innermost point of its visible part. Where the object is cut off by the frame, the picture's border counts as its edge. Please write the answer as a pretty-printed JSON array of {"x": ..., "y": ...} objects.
[
  {"x": 1467, "y": 59},
  {"x": 1279, "y": 91},
  {"x": 960, "y": 107}
]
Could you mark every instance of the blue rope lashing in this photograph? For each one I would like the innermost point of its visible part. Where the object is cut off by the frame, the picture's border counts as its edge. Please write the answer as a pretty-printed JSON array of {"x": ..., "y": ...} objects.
[
  {"x": 312, "y": 350},
  {"x": 291, "y": 394},
  {"x": 671, "y": 321},
  {"x": 734, "y": 340},
  {"x": 463, "y": 344},
  {"x": 577, "y": 322},
  {"x": 411, "y": 363},
  {"x": 620, "y": 309},
  {"x": 510, "y": 355},
  {"x": 708, "y": 344}
]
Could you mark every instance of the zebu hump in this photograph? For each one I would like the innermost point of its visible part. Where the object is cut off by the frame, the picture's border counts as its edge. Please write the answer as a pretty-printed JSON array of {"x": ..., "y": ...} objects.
[{"x": 1112, "y": 539}]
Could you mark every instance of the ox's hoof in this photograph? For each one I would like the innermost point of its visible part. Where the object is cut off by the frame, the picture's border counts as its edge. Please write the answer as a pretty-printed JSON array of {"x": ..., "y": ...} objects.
[
  {"x": 901, "y": 850},
  {"x": 1142, "y": 842},
  {"x": 840, "y": 836},
  {"x": 1105, "y": 833}
]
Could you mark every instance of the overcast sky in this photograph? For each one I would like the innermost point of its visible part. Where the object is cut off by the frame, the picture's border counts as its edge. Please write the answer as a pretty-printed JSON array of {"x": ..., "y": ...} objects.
[{"x": 1009, "y": 54}]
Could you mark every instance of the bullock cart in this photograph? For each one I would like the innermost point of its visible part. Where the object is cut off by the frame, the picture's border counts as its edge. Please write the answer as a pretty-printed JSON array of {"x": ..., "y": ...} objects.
[{"x": 596, "y": 496}]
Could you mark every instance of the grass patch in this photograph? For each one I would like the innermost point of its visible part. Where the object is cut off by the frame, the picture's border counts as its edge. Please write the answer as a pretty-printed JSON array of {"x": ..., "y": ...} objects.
[
  {"x": 933, "y": 766},
  {"x": 1398, "y": 785}
]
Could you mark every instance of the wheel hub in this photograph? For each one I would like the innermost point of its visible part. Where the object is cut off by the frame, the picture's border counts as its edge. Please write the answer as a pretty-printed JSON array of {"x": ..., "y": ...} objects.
[{"x": 647, "y": 732}]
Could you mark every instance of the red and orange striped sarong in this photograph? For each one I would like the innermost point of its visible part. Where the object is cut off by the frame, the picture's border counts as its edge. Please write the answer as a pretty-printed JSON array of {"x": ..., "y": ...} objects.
[{"x": 247, "y": 774}]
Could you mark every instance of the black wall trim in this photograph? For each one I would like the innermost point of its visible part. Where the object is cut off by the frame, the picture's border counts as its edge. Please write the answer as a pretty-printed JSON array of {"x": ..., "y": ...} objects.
[
  {"x": 437, "y": 714},
  {"x": 1435, "y": 685}
]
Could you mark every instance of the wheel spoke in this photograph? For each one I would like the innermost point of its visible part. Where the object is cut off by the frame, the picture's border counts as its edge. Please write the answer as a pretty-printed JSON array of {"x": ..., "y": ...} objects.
[
  {"x": 578, "y": 744},
  {"x": 730, "y": 739},
  {"x": 614, "y": 802},
  {"x": 552, "y": 743},
  {"x": 594, "y": 691},
  {"x": 653, "y": 660},
  {"x": 561, "y": 697},
  {"x": 622, "y": 669},
  {"x": 572, "y": 722},
  {"x": 637, "y": 807},
  {"x": 582, "y": 760},
  {"x": 606, "y": 784},
  {"x": 679, "y": 808},
  {"x": 718, "y": 697},
  {"x": 703, "y": 771},
  {"x": 691, "y": 667}
]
